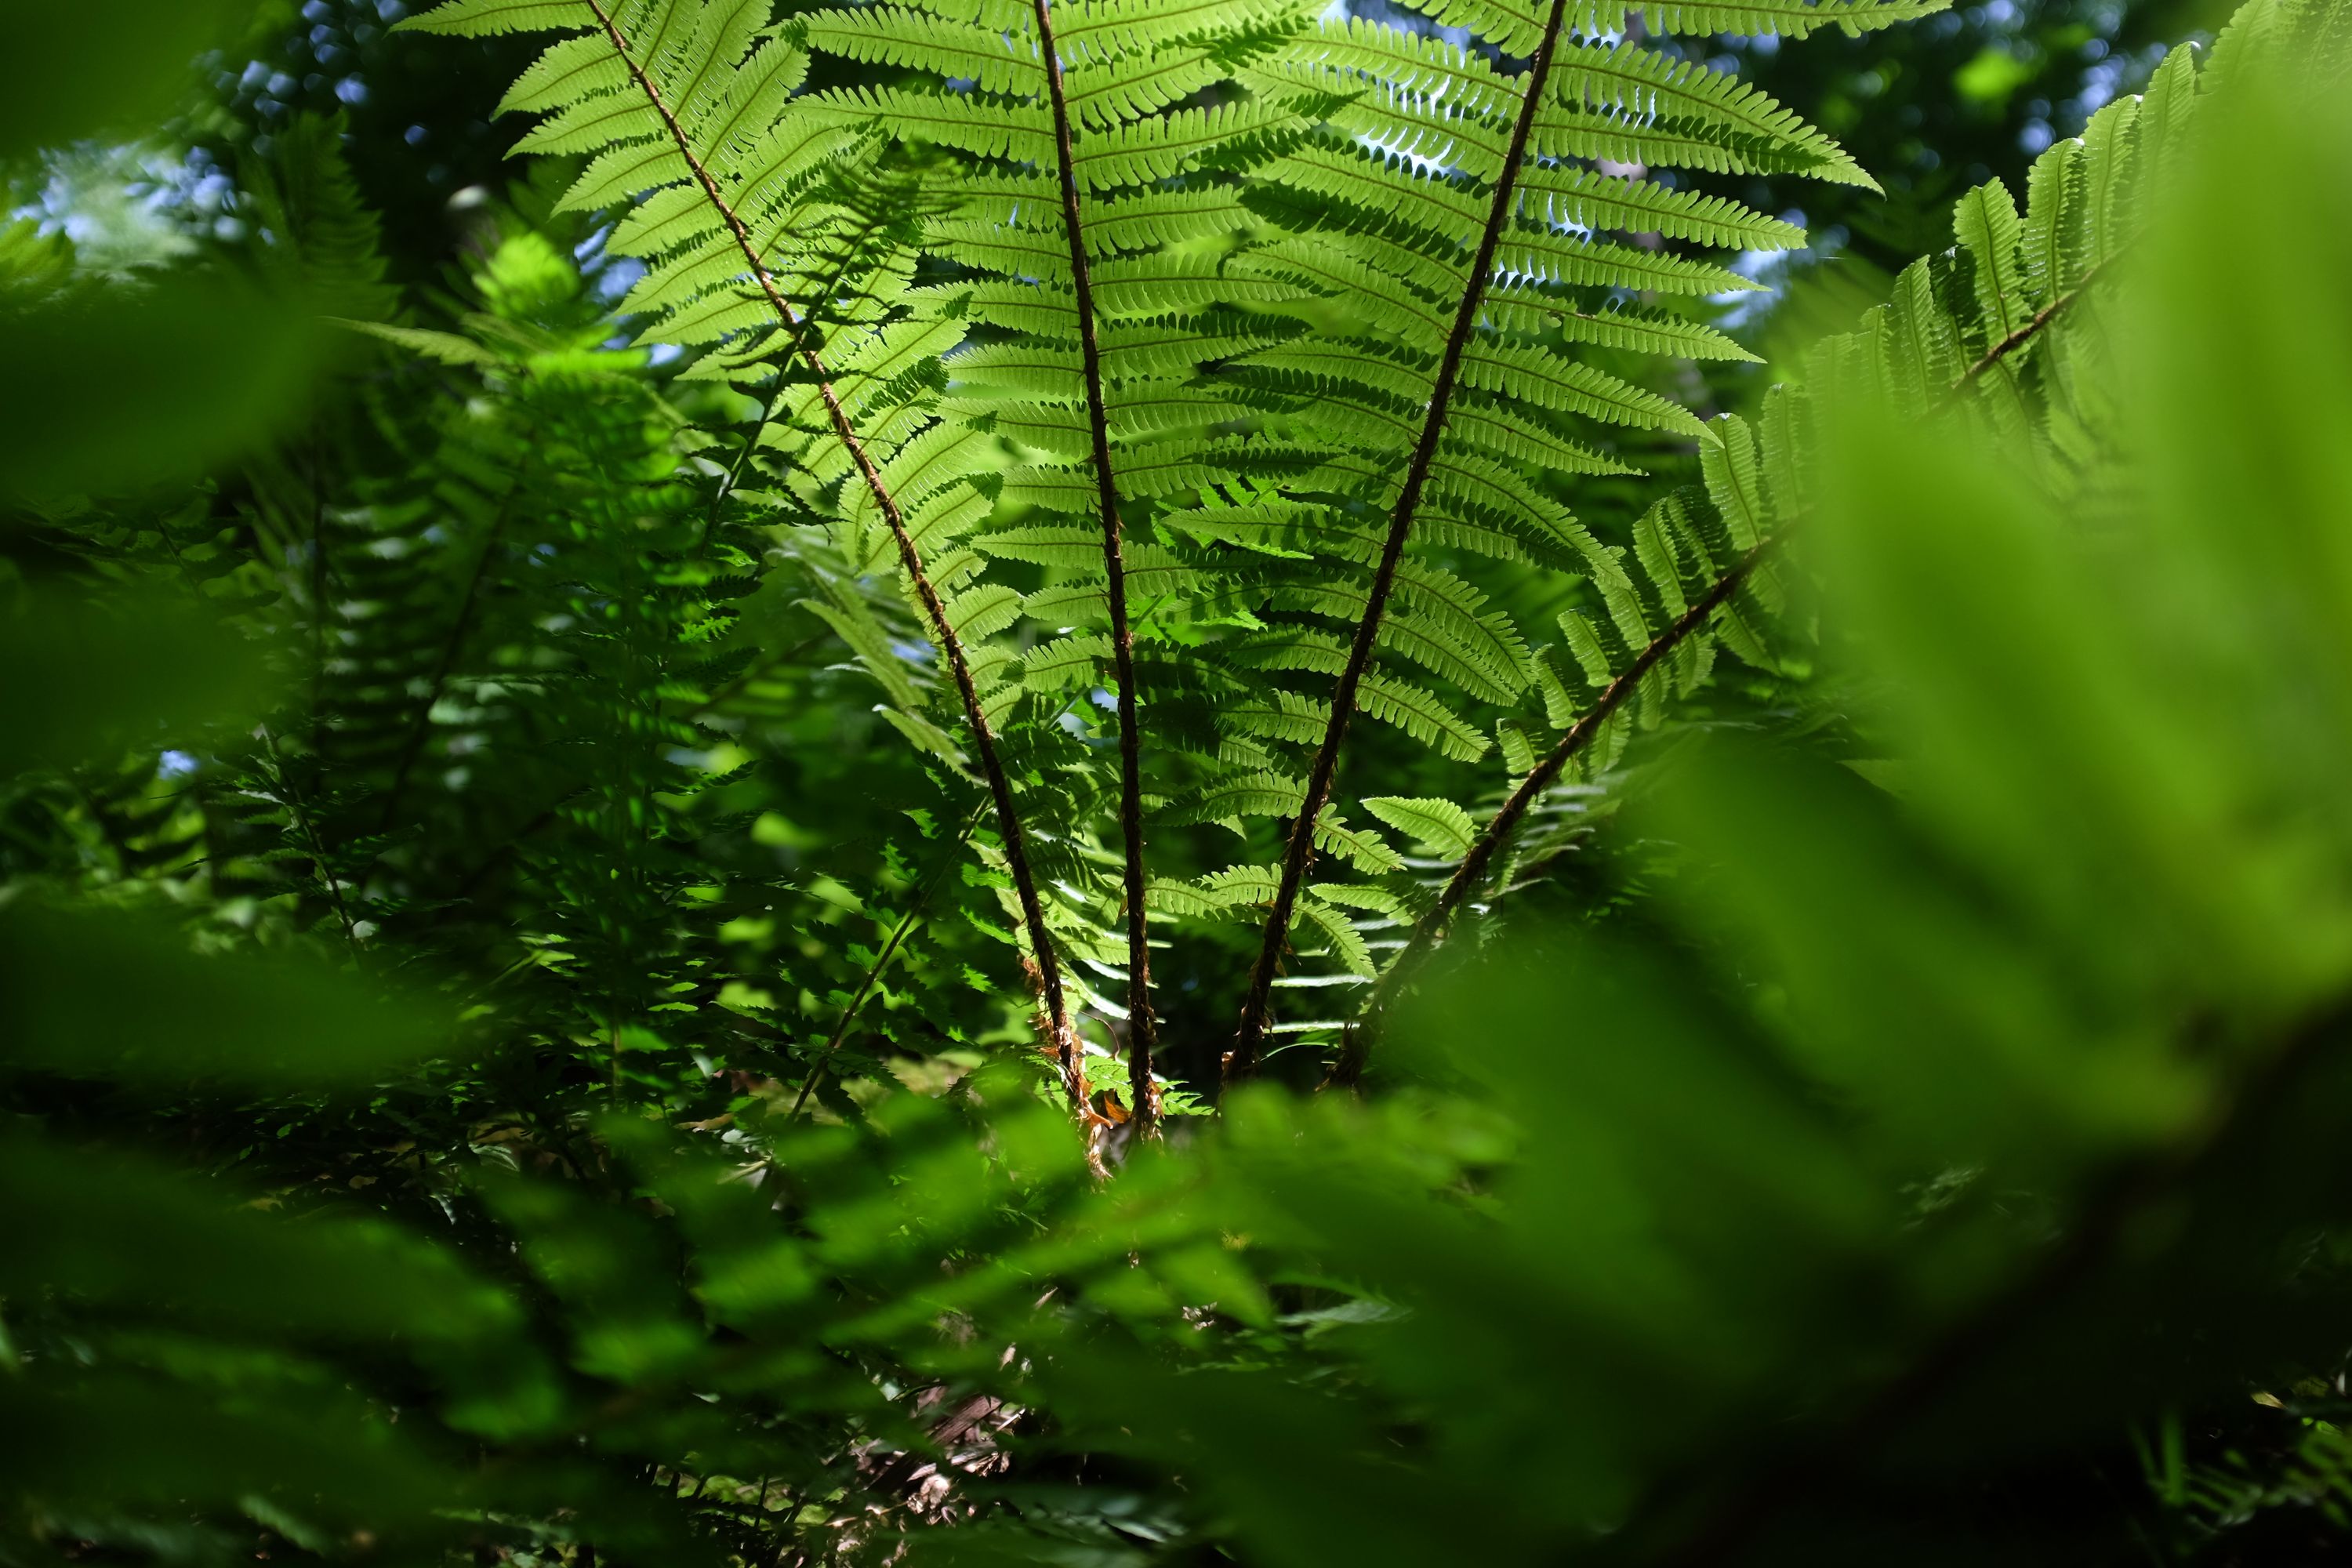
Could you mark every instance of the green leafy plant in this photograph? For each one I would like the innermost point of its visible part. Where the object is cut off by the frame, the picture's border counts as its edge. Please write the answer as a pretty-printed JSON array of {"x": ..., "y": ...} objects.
[
  {"x": 1281, "y": 296},
  {"x": 512, "y": 862}
]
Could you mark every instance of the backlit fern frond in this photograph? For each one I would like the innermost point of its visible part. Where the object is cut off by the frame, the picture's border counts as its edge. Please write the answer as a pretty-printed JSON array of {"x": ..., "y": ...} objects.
[
  {"x": 1480, "y": 256},
  {"x": 1224, "y": 361},
  {"x": 778, "y": 239},
  {"x": 2002, "y": 331}
]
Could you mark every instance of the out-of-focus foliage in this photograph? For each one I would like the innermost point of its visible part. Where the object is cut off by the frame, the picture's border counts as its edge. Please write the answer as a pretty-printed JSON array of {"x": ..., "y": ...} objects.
[
  {"x": 102, "y": 70},
  {"x": 507, "y": 1053}
]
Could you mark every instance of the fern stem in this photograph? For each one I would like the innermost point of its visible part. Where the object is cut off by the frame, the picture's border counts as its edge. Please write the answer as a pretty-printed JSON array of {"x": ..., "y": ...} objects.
[
  {"x": 1142, "y": 1030},
  {"x": 1249, "y": 1038},
  {"x": 734, "y": 475},
  {"x": 881, "y": 962},
  {"x": 310, "y": 830},
  {"x": 1472, "y": 871},
  {"x": 1000, "y": 786},
  {"x": 2032, "y": 329}
]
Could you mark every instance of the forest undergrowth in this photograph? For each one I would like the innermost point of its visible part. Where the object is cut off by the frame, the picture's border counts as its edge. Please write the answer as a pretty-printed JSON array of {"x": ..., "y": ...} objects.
[{"x": 1145, "y": 781}]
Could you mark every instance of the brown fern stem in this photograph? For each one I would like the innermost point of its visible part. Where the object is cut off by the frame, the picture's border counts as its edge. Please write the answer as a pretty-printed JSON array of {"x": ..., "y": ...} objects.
[
  {"x": 1249, "y": 1038},
  {"x": 1000, "y": 788},
  {"x": 1472, "y": 872},
  {"x": 1142, "y": 1029},
  {"x": 2032, "y": 329}
]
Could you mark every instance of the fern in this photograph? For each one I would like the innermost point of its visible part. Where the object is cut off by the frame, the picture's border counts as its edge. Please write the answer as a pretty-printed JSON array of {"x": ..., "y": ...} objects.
[
  {"x": 1439, "y": 215},
  {"x": 2001, "y": 330},
  {"x": 1085, "y": 146},
  {"x": 1210, "y": 351},
  {"x": 662, "y": 712},
  {"x": 689, "y": 110}
]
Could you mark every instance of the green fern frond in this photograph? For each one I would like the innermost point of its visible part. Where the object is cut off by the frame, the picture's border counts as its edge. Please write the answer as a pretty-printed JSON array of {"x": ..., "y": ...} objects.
[
  {"x": 1548, "y": 381},
  {"x": 1544, "y": 257},
  {"x": 980, "y": 126},
  {"x": 1437, "y": 826},
  {"x": 1558, "y": 196},
  {"x": 490, "y": 18},
  {"x": 1747, "y": 19},
  {"x": 1275, "y": 796},
  {"x": 1678, "y": 111},
  {"x": 1390, "y": 185},
  {"x": 1206, "y": 286},
  {"x": 995, "y": 61},
  {"x": 1276, "y": 714},
  {"x": 1420, "y": 714}
]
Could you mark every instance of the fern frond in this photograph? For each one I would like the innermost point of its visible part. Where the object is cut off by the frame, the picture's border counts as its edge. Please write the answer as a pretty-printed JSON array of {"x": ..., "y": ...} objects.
[
  {"x": 1437, "y": 824},
  {"x": 1556, "y": 258},
  {"x": 995, "y": 61},
  {"x": 1390, "y": 185},
  {"x": 1371, "y": 296},
  {"x": 1514, "y": 26},
  {"x": 983, "y": 128},
  {"x": 1354, "y": 54},
  {"x": 1274, "y": 714},
  {"x": 1107, "y": 92},
  {"x": 1753, "y": 18},
  {"x": 1143, "y": 220},
  {"x": 1139, "y": 151},
  {"x": 1284, "y": 329},
  {"x": 1550, "y": 380},
  {"x": 490, "y": 18},
  {"x": 1420, "y": 714},
  {"x": 709, "y": 107},
  {"x": 1679, "y": 111},
  {"x": 1102, "y": 30},
  {"x": 1559, "y": 196},
  {"x": 1274, "y": 795}
]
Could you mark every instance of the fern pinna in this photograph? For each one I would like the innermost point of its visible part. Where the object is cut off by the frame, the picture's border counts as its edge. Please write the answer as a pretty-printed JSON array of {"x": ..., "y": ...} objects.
[{"x": 1261, "y": 350}]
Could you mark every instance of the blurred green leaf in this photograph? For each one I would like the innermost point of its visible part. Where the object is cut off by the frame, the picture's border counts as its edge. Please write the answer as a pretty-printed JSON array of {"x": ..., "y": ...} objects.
[
  {"x": 119, "y": 995},
  {"x": 137, "y": 668},
  {"x": 117, "y": 388},
  {"x": 126, "y": 1232},
  {"x": 78, "y": 71}
]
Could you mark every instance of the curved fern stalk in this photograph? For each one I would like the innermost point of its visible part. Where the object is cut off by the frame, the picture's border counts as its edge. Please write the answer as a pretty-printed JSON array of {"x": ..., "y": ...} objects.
[
  {"x": 2033, "y": 328},
  {"x": 1098, "y": 202},
  {"x": 1933, "y": 350},
  {"x": 699, "y": 39},
  {"x": 1000, "y": 788},
  {"x": 1471, "y": 871},
  {"x": 1982, "y": 332},
  {"x": 1380, "y": 210},
  {"x": 1249, "y": 1038},
  {"x": 1142, "y": 1036}
]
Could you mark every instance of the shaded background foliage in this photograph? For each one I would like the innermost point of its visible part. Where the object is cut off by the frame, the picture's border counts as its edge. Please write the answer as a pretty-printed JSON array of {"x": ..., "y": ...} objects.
[{"x": 444, "y": 862}]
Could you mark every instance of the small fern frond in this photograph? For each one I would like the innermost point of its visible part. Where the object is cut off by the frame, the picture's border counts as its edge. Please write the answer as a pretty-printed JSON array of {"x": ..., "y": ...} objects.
[
  {"x": 1437, "y": 824},
  {"x": 1678, "y": 114}
]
